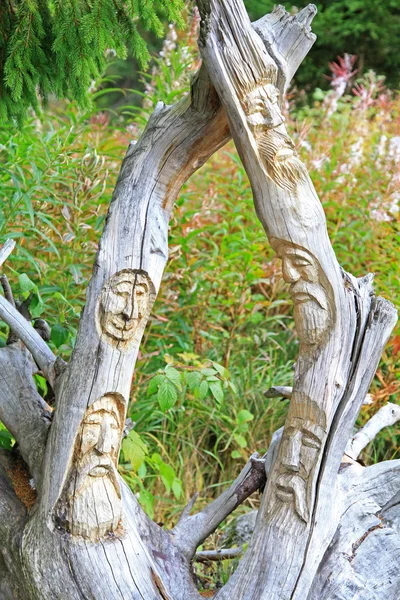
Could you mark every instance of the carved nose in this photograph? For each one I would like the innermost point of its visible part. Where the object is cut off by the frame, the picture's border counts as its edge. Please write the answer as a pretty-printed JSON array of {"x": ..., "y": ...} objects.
[
  {"x": 291, "y": 460},
  {"x": 104, "y": 445},
  {"x": 289, "y": 272},
  {"x": 130, "y": 310}
]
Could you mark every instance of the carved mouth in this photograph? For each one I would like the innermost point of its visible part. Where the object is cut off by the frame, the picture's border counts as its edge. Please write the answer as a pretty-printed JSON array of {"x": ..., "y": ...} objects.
[
  {"x": 100, "y": 470},
  {"x": 284, "y": 153},
  {"x": 301, "y": 297},
  {"x": 284, "y": 493}
]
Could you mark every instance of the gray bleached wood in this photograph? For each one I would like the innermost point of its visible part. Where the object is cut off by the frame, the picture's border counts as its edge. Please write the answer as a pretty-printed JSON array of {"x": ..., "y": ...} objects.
[
  {"x": 341, "y": 327},
  {"x": 385, "y": 417},
  {"x": 6, "y": 250},
  {"x": 97, "y": 542},
  {"x": 40, "y": 351}
]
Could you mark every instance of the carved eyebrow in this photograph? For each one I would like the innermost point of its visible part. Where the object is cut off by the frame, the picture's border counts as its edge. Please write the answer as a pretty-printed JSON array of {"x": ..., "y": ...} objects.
[{"x": 311, "y": 435}]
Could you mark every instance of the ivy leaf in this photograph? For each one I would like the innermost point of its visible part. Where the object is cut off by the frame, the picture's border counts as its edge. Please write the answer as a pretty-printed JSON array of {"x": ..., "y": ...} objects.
[
  {"x": 134, "y": 449},
  {"x": 217, "y": 391},
  {"x": 167, "y": 395},
  {"x": 235, "y": 454}
]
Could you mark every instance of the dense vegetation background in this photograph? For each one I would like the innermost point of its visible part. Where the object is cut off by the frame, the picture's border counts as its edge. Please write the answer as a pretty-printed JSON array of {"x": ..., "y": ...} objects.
[{"x": 221, "y": 332}]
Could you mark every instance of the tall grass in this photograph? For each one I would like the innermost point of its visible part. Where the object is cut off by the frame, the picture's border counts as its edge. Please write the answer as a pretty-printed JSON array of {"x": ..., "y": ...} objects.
[{"x": 222, "y": 297}]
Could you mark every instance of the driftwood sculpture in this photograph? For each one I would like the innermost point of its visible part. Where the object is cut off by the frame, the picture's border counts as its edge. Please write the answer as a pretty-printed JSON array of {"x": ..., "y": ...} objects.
[{"x": 327, "y": 527}]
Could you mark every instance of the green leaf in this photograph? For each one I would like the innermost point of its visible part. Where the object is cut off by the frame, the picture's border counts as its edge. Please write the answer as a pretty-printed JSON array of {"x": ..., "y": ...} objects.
[
  {"x": 59, "y": 335},
  {"x": 193, "y": 379},
  {"x": 154, "y": 384},
  {"x": 6, "y": 439},
  {"x": 203, "y": 389},
  {"x": 134, "y": 449},
  {"x": 240, "y": 440},
  {"x": 177, "y": 488},
  {"x": 221, "y": 370},
  {"x": 243, "y": 416},
  {"x": 156, "y": 458},
  {"x": 174, "y": 376},
  {"x": 207, "y": 372},
  {"x": 26, "y": 285},
  {"x": 146, "y": 500},
  {"x": 217, "y": 391},
  {"x": 167, "y": 474},
  {"x": 167, "y": 395},
  {"x": 41, "y": 384},
  {"x": 236, "y": 454}
]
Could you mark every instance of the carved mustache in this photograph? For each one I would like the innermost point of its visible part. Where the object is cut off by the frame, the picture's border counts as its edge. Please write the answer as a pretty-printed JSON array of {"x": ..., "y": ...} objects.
[
  {"x": 87, "y": 464},
  {"x": 295, "y": 485},
  {"x": 303, "y": 291},
  {"x": 282, "y": 165}
]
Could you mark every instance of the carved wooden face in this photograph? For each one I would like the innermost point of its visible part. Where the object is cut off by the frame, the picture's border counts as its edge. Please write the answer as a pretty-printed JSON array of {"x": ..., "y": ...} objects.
[
  {"x": 299, "y": 451},
  {"x": 308, "y": 290},
  {"x": 99, "y": 437},
  {"x": 262, "y": 110},
  {"x": 91, "y": 505},
  {"x": 275, "y": 147},
  {"x": 124, "y": 303}
]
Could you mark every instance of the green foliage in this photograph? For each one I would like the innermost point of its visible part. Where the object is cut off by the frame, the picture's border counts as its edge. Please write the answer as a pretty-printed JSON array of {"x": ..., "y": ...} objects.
[
  {"x": 222, "y": 321},
  {"x": 366, "y": 28},
  {"x": 60, "y": 46}
]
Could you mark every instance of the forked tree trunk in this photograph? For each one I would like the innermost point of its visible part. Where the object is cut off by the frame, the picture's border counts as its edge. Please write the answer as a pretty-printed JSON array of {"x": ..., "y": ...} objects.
[{"x": 326, "y": 528}]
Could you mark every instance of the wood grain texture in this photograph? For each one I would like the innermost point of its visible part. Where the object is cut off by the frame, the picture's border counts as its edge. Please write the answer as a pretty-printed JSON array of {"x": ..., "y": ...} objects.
[{"x": 342, "y": 329}]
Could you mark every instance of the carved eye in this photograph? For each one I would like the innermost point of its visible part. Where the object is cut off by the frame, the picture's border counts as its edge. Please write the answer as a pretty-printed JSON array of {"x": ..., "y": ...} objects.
[
  {"x": 301, "y": 262},
  {"x": 311, "y": 443}
]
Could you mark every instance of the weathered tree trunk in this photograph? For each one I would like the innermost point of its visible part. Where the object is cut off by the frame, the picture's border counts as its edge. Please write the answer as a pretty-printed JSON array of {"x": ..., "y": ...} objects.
[{"x": 82, "y": 533}]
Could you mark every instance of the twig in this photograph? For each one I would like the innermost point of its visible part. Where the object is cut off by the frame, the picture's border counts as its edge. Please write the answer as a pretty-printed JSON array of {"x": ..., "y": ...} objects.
[
  {"x": 279, "y": 391},
  {"x": 386, "y": 416},
  {"x": 285, "y": 391},
  {"x": 6, "y": 250},
  {"x": 214, "y": 555},
  {"x": 191, "y": 531},
  {"x": 188, "y": 507},
  {"x": 40, "y": 351},
  {"x": 5, "y": 284}
]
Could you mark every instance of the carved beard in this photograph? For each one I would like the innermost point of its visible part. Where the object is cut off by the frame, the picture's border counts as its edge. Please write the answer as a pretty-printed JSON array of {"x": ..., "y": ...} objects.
[
  {"x": 282, "y": 165},
  {"x": 92, "y": 507},
  {"x": 293, "y": 488},
  {"x": 95, "y": 510},
  {"x": 311, "y": 321}
]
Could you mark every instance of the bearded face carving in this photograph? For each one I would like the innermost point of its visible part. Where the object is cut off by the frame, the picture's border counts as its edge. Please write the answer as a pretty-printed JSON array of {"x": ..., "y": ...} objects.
[
  {"x": 309, "y": 291},
  {"x": 90, "y": 505},
  {"x": 275, "y": 147},
  {"x": 124, "y": 305},
  {"x": 299, "y": 452}
]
